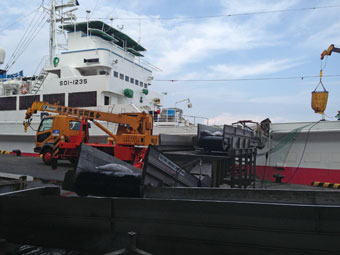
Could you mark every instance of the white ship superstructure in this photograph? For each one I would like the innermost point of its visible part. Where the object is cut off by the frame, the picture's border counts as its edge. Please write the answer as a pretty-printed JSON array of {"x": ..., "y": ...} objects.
[{"x": 100, "y": 67}]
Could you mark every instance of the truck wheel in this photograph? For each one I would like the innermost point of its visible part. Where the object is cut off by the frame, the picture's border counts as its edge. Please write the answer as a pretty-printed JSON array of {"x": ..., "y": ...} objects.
[
  {"x": 47, "y": 156},
  {"x": 54, "y": 163}
]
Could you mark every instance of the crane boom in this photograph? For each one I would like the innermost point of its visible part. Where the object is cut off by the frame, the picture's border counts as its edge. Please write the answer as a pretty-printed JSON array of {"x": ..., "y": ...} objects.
[
  {"x": 139, "y": 123},
  {"x": 329, "y": 51}
]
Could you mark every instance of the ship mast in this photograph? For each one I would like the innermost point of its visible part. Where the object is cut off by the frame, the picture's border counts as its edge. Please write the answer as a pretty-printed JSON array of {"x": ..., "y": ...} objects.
[
  {"x": 52, "y": 31},
  {"x": 57, "y": 15}
]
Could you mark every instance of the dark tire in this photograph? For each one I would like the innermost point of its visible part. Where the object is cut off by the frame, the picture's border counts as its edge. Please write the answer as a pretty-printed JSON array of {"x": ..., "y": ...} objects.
[
  {"x": 54, "y": 163},
  {"x": 47, "y": 156},
  {"x": 73, "y": 161}
]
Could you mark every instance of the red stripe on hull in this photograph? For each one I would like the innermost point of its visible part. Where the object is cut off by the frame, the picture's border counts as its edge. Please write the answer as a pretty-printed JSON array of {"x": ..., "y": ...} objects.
[{"x": 299, "y": 175}]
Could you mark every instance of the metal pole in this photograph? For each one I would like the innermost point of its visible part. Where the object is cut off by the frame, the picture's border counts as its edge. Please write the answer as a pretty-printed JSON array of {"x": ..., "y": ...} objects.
[{"x": 52, "y": 31}]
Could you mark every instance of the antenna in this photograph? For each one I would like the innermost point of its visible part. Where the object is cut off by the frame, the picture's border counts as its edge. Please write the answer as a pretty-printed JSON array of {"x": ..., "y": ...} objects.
[
  {"x": 140, "y": 30},
  {"x": 88, "y": 14},
  {"x": 87, "y": 20}
]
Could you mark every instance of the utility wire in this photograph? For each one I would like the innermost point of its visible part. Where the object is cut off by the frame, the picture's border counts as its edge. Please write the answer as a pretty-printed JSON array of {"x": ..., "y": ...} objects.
[
  {"x": 11, "y": 60},
  {"x": 34, "y": 27},
  {"x": 251, "y": 79},
  {"x": 229, "y": 15},
  {"x": 18, "y": 20},
  {"x": 113, "y": 9},
  {"x": 303, "y": 152},
  {"x": 94, "y": 9}
]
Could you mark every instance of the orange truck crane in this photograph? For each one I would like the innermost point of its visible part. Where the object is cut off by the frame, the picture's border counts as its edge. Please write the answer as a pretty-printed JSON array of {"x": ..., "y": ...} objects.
[
  {"x": 329, "y": 51},
  {"x": 59, "y": 136}
]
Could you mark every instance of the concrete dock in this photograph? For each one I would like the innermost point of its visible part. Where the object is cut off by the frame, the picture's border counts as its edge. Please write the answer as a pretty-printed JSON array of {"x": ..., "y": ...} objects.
[{"x": 33, "y": 166}]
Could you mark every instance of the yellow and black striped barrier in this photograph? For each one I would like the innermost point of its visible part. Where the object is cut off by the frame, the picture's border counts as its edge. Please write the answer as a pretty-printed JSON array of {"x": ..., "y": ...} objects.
[
  {"x": 5, "y": 152},
  {"x": 56, "y": 147},
  {"x": 326, "y": 185}
]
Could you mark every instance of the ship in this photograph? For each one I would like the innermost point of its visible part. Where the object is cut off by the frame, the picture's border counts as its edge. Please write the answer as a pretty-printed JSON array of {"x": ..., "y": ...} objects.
[
  {"x": 305, "y": 153},
  {"x": 99, "y": 67}
]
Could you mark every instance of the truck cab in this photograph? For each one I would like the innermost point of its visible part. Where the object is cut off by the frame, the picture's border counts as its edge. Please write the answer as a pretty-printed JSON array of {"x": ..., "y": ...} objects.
[{"x": 58, "y": 126}]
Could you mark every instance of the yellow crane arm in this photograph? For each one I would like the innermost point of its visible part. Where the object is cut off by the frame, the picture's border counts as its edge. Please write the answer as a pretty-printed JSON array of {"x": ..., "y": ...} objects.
[
  {"x": 329, "y": 51},
  {"x": 138, "y": 123}
]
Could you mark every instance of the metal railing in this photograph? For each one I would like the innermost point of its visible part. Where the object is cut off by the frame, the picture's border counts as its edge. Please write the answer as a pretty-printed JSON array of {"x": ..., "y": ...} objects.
[{"x": 197, "y": 117}]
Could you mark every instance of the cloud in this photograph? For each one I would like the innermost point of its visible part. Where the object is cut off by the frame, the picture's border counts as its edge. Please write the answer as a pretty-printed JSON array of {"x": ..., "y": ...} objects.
[
  {"x": 175, "y": 45},
  {"x": 264, "y": 67},
  {"x": 282, "y": 100},
  {"x": 229, "y": 118}
]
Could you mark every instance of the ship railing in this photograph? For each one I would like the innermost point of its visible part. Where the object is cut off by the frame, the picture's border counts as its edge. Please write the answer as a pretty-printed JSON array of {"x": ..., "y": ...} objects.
[
  {"x": 39, "y": 75},
  {"x": 197, "y": 119},
  {"x": 41, "y": 65},
  {"x": 180, "y": 119},
  {"x": 149, "y": 65}
]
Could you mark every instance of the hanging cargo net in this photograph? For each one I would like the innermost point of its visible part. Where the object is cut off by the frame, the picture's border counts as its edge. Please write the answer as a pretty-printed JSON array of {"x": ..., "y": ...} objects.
[
  {"x": 282, "y": 147},
  {"x": 278, "y": 150}
]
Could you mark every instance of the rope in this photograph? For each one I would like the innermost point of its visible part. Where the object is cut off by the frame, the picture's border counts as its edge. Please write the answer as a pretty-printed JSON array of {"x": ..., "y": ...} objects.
[
  {"x": 252, "y": 79},
  {"x": 303, "y": 152},
  {"x": 32, "y": 31},
  {"x": 18, "y": 20},
  {"x": 226, "y": 15},
  {"x": 21, "y": 41}
]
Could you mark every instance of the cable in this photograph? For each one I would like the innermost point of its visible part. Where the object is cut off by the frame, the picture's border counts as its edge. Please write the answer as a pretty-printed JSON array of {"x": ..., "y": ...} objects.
[
  {"x": 303, "y": 152},
  {"x": 34, "y": 27},
  {"x": 112, "y": 10},
  {"x": 252, "y": 79},
  {"x": 94, "y": 9},
  {"x": 231, "y": 14},
  {"x": 35, "y": 33},
  {"x": 10, "y": 61},
  {"x": 17, "y": 21},
  {"x": 21, "y": 42}
]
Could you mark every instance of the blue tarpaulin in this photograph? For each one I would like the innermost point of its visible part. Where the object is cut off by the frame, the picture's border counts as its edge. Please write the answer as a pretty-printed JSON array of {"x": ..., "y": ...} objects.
[{"x": 12, "y": 76}]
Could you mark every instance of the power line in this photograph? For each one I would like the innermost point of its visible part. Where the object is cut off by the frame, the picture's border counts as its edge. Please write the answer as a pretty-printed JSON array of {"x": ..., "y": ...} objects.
[
  {"x": 95, "y": 7},
  {"x": 18, "y": 20},
  {"x": 113, "y": 9},
  {"x": 250, "y": 79},
  {"x": 229, "y": 15}
]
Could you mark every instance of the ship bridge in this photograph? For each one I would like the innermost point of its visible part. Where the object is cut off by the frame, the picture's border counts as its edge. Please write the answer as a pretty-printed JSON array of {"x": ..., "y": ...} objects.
[{"x": 108, "y": 33}]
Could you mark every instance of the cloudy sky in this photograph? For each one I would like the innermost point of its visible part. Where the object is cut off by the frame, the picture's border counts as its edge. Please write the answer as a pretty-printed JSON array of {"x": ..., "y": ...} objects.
[{"x": 240, "y": 50}]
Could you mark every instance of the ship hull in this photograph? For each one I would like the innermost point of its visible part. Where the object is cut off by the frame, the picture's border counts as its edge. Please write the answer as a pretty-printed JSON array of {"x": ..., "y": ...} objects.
[
  {"x": 301, "y": 153},
  {"x": 305, "y": 176}
]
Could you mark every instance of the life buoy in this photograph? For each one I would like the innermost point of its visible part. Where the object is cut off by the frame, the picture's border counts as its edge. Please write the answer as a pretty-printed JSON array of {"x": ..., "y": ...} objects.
[
  {"x": 24, "y": 88},
  {"x": 56, "y": 61}
]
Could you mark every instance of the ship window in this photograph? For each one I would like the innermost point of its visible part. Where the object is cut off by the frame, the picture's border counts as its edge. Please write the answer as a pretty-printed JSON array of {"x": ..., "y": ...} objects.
[
  {"x": 145, "y": 85},
  {"x": 127, "y": 78},
  {"x": 141, "y": 84},
  {"x": 103, "y": 72},
  {"x": 46, "y": 124},
  {"x": 8, "y": 103},
  {"x": 115, "y": 74},
  {"x": 121, "y": 76},
  {"x": 106, "y": 100},
  {"x": 26, "y": 101},
  {"x": 82, "y": 99},
  {"x": 132, "y": 80},
  {"x": 54, "y": 98},
  {"x": 136, "y": 82}
]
